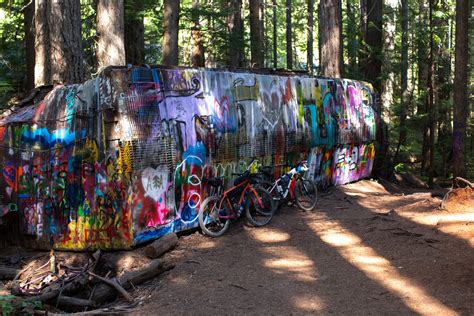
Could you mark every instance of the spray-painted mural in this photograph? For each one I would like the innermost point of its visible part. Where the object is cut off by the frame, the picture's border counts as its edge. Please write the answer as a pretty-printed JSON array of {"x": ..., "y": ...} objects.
[{"x": 119, "y": 160}]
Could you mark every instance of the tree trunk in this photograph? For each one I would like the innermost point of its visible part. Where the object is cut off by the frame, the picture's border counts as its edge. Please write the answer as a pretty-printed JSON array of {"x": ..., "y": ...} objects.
[
  {"x": 134, "y": 32},
  {"x": 422, "y": 81},
  {"x": 431, "y": 104},
  {"x": 197, "y": 48},
  {"x": 58, "y": 47},
  {"x": 170, "y": 37},
  {"x": 330, "y": 38},
  {"x": 309, "y": 44},
  {"x": 275, "y": 35},
  {"x": 264, "y": 34},
  {"x": 256, "y": 34},
  {"x": 29, "y": 14},
  {"x": 372, "y": 64},
  {"x": 351, "y": 38},
  {"x": 235, "y": 27},
  {"x": 460, "y": 99},
  {"x": 388, "y": 68},
  {"x": 289, "y": 36},
  {"x": 403, "y": 76},
  {"x": 110, "y": 33},
  {"x": 444, "y": 91},
  {"x": 362, "y": 30}
]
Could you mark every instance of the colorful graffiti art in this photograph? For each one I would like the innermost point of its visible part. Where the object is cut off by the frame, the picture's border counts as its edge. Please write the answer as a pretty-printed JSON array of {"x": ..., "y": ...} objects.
[{"x": 120, "y": 159}]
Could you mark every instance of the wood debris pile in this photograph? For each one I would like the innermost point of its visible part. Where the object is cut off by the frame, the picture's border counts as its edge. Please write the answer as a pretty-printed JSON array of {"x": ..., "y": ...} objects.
[{"x": 85, "y": 283}]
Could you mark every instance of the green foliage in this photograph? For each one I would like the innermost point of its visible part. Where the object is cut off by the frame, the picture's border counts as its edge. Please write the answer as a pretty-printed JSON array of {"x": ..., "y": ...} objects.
[
  {"x": 88, "y": 17},
  {"x": 12, "y": 305},
  {"x": 213, "y": 17},
  {"x": 12, "y": 52},
  {"x": 400, "y": 168}
]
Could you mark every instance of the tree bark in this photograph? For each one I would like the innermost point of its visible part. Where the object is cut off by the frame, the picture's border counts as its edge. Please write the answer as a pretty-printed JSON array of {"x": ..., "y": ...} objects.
[
  {"x": 403, "y": 76},
  {"x": 460, "y": 99},
  {"x": 275, "y": 35},
  {"x": 256, "y": 34},
  {"x": 134, "y": 30},
  {"x": 197, "y": 48},
  {"x": 330, "y": 38},
  {"x": 431, "y": 104},
  {"x": 161, "y": 246},
  {"x": 309, "y": 59},
  {"x": 372, "y": 64},
  {"x": 444, "y": 91},
  {"x": 7, "y": 273},
  {"x": 423, "y": 57},
  {"x": 235, "y": 27},
  {"x": 110, "y": 33},
  {"x": 289, "y": 36},
  {"x": 170, "y": 37},
  {"x": 29, "y": 14},
  {"x": 58, "y": 46},
  {"x": 105, "y": 293},
  {"x": 362, "y": 30},
  {"x": 351, "y": 38}
]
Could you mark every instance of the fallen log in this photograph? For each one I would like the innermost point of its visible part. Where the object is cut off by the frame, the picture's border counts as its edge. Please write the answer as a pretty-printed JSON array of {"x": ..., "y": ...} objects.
[
  {"x": 458, "y": 180},
  {"x": 74, "y": 302},
  {"x": 104, "y": 292},
  {"x": 115, "y": 285},
  {"x": 161, "y": 246},
  {"x": 7, "y": 273}
]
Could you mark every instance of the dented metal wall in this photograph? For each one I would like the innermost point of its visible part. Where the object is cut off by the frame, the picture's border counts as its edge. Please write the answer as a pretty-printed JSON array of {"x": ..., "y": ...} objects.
[{"x": 120, "y": 159}]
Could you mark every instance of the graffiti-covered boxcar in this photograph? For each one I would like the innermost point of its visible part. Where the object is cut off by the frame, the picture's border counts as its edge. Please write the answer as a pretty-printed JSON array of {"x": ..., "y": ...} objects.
[{"x": 119, "y": 160}]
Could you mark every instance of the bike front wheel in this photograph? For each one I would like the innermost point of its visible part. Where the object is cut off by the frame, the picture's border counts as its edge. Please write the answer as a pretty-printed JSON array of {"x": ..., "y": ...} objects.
[
  {"x": 306, "y": 194},
  {"x": 259, "y": 207},
  {"x": 210, "y": 217}
]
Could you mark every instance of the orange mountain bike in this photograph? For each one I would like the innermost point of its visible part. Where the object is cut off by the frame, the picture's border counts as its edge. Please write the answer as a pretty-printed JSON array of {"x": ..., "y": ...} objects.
[{"x": 216, "y": 212}]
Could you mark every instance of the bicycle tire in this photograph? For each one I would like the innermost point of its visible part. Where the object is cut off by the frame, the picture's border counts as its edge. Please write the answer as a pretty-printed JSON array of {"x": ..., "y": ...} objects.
[
  {"x": 267, "y": 185},
  {"x": 256, "y": 215},
  {"x": 306, "y": 194},
  {"x": 209, "y": 221}
]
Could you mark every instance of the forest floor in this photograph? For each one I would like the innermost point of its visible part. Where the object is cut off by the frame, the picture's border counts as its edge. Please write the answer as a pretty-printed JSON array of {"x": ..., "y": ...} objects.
[{"x": 368, "y": 248}]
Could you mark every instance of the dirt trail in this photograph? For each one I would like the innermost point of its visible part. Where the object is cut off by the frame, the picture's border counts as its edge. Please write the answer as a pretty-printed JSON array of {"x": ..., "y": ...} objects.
[{"x": 367, "y": 249}]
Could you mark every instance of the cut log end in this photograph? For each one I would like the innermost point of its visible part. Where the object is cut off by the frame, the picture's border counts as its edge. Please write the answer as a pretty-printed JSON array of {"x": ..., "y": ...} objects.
[{"x": 161, "y": 246}]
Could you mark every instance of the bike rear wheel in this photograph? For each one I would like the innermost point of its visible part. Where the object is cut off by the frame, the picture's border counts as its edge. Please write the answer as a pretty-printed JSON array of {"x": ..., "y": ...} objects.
[
  {"x": 210, "y": 217},
  {"x": 306, "y": 194},
  {"x": 259, "y": 208}
]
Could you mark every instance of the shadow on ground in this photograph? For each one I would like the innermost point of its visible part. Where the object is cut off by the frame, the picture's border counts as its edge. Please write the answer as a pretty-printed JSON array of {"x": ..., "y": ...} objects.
[{"x": 362, "y": 251}]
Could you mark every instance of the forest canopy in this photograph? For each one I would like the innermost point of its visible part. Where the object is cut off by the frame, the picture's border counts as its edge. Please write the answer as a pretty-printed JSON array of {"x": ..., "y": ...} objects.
[{"x": 416, "y": 53}]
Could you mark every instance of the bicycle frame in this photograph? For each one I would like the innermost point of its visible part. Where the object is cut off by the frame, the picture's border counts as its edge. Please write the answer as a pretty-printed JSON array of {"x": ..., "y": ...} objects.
[
  {"x": 226, "y": 197},
  {"x": 294, "y": 174}
]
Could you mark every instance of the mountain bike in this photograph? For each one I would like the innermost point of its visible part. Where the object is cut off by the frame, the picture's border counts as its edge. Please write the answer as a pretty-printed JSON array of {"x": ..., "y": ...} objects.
[
  {"x": 291, "y": 185},
  {"x": 217, "y": 211}
]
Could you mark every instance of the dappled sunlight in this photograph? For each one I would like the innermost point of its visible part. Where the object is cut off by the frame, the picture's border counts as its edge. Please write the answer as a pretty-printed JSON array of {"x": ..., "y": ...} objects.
[
  {"x": 379, "y": 269},
  {"x": 364, "y": 186},
  {"x": 447, "y": 223},
  {"x": 206, "y": 243},
  {"x": 269, "y": 235},
  {"x": 290, "y": 262},
  {"x": 309, "y": 303}
]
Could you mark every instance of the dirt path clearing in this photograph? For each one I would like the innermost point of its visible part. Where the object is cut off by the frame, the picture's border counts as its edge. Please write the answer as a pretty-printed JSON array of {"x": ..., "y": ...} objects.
[{"x": 365, "y": 250}]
